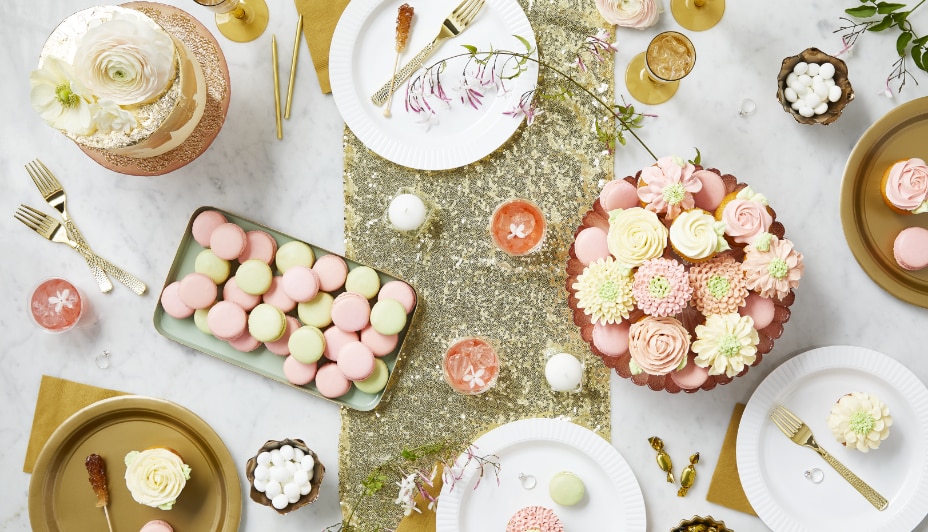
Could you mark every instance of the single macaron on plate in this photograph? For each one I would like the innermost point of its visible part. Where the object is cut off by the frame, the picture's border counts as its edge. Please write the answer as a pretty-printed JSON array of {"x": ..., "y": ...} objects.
[{"x": 283, "y": 308}]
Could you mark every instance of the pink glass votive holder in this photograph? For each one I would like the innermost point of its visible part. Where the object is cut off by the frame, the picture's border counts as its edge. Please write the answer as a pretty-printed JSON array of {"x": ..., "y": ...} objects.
[
  {"x": 56, "y": 305},
  {"x": 471, "y": 366},
  {"x": 517, "y": 227}
]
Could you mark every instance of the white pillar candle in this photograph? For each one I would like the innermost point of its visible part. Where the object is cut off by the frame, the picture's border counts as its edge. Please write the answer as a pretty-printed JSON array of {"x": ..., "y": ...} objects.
[{"x": 407, "y": 212}]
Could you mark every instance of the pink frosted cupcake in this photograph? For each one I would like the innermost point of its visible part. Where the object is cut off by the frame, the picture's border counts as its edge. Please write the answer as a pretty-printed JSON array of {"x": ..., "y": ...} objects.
[
  {"x": 657, "y": 345},
  {"x": 905, "y": 186},
  {"x": 668, "y": 186},
  {"x": 772, "y": 267},
  {"x": 745, "y": 216},
  {"x": 718, "y": 286},
  {"x": 661, "y": 287},
  {"x": 534, "y": 519}
]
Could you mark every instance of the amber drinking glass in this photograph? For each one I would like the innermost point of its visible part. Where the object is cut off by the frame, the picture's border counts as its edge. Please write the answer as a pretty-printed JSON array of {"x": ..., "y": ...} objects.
[
  {"x": 653, "y": 76},
  {"x": 239, "y": 20},
  {"x": 697, "y": 15}
]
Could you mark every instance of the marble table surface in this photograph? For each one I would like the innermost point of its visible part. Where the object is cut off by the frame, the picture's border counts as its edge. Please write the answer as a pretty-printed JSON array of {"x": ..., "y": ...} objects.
[{"x": 138, "y": 223}]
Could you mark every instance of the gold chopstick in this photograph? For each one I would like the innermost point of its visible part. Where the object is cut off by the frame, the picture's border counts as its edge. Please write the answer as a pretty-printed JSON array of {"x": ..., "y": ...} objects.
[
  {"x": 296, "y": 53},
  {"x": 280, "y": 128}
]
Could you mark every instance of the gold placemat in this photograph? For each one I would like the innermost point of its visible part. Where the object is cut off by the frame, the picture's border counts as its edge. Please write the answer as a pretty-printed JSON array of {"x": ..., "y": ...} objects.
[
  {"x": 58, "y": 400},
  {"x": 468, "y": 288},
  {"x": 725, "y": 488},
  {"x": 319, "y": 20}
]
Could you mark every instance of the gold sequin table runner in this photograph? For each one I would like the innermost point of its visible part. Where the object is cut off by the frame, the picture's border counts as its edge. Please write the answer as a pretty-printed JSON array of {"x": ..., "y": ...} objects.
[{"x": 468, "y": 288}]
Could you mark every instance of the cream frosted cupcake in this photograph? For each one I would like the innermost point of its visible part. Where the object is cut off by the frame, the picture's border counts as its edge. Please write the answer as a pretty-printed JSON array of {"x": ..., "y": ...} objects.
[
  {"x": 635, "y": 236},
  {"x": 156, "y": 477},
  {"x": 860, "y": 421},
  {"x": 697, "y": 236},
  {"x": 726, "y": 343},
  {"x": 905, "y": 186},
  {"x": 604, "y": 291}
]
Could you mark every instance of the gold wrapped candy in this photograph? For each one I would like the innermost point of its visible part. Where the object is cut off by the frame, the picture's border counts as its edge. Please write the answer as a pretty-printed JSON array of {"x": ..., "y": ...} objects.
[
  {"x": 663, "y": 459},
  {"x": 688, "y": 476}
]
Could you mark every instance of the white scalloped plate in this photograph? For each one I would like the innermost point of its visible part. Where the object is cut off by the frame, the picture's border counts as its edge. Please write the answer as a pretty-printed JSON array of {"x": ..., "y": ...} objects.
[
  {"x": 541, "y": 448},
  {"x": 361, "y": 61},
  {"x": 771, "y": 466}
]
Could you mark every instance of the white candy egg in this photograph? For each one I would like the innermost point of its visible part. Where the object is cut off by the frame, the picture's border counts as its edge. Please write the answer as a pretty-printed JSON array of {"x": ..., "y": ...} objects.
[
  {"x": 796, "y": 105},
  {"x": 291, "y": 490},
  {"x": 287, "y": 452},
  {"x": 279, "y": 474},
  {"x": 273, "y": 489},
  {"x": 291, "y": 467},
  {"x": 276, "y": 458},
  {"x": 834, "y": 93},
  {"x": 822, "y": 107},
  {"x": 806, "y": 111},
  {"x": 298, "y": 454},
  {"x": 261, "y": 472},
  {"x": 264, "y": 458},
  {"x": 821, "y": 91},
  {"x": 260, "y": 485},
  {"x": 791, "y": 78},
  {"x": 300, "y": 477},
  {"x": 805, "y": 80},
  {"x": 307, "y": 463},
  {"x": 801, "y": 68},
  {"x": 280, "y": 501},
  {"x": 564, "y": 372},
  {"x": 827, "y": 70},
  {"x": 790, "y": 94},
  {"x": 813, "y": 69},
  {"x": 305, "y": 488},
  {"x": 293, "y": 499},
  {"x": 812, "y": 100}
]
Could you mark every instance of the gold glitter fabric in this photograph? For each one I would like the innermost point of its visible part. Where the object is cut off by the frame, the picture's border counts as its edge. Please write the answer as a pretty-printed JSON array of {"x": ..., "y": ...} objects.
[{"x": 467, "y": 287}]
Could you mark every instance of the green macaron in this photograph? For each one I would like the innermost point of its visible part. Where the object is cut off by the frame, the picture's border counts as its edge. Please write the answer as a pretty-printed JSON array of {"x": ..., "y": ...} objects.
[
  {"x": 254, "y": 277},
  {"x": 377, "y": 381},
  {"x": 267, "y": 323},
  {"x": 317, "y": 311},
  {"x": 566, "y": 488},
  {"x": 363, "y": 280},
  {"x": 388, "y": 316},
  {"x": 212, "y": 266},
  {"x": 306, "y": 344}
]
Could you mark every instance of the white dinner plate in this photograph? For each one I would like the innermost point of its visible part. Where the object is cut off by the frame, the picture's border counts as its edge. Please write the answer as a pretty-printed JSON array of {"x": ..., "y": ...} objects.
[
  {"x": 361, "y": 61},
  {"x": 541, "y": 448},
  {"x": 772, "y": 467}
]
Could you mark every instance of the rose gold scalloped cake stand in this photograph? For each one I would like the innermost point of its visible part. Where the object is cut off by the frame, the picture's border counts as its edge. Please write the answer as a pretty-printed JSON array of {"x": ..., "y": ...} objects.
[
  {"x": 188, "y": 30},
  {"x": 597, "y": 217}
]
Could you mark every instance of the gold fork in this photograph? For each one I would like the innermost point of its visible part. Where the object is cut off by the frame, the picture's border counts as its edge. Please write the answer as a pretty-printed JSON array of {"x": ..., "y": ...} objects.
[
  {"x": 800, "y": 433},
  {"x": 454, "y": 24},
  {"x": 54, "y": 195},
  {"x": 52, "y": 229}
]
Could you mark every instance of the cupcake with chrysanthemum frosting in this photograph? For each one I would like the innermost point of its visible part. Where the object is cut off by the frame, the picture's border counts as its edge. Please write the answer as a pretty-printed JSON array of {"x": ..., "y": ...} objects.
[
  {"x": 667, "y": 187},
  {"x": 772, "y": 267},
  {"x": 726, "y": 343},
  {"x": 860, "y": 421},
  {"x": 696, "y": 236},
  {"x": 661, "y": 287},
  {"x": 718, "y": 286},
  {"x": 604, "y": 291}
]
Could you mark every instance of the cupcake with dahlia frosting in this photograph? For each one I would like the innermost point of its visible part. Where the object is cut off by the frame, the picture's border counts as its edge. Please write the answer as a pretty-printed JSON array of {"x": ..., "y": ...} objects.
[
  {"x": 604, "y": 291},
  {"x": 745, "y": 216},
  {"x": 534, "y": 519},
  {"x": 905, "y": 186},
  {"x": 156, "y": 477},
  {"x": 661, "y": 287},
  {"x": 718, "y": 286},
  {"x": 726, "y": 343},
  {"x": 772, "y": 267},
  {"x": 657, "y": 346},
  {"x": 667, "y": 187},
  {"x": 860, "y": 421},
  {"x": 697, "y": 236}
]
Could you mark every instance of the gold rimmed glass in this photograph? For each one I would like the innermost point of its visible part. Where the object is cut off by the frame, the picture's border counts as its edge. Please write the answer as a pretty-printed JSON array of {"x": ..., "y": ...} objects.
[
  {"x": 653, "y": 76},
  {"x": 239, "y": 20},
  {"x": 697, "y": 15}
]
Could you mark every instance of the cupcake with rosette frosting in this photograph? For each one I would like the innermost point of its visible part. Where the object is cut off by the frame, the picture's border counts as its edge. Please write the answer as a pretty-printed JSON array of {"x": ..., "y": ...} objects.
[
  {"x": 604, "y": 291},
  {"x": 657, "y": 346},
  {"x": 697, "y": 236},
  {"x": 661, "y": 287},
  {"x": 905, "y": 186},
  {"x": 638, "y": 14},
  {"x": 745, "y": 216},
  {"x": 667, "y": 187},
  {"x": 156, "y": 477},
  {"x": 772, "y": 267},
  {"x": 860, "y": 421},
  {"x": 726, "y": 343},
  {"x": 635, "y": 236},
  {"x": 718, "y": 286}
]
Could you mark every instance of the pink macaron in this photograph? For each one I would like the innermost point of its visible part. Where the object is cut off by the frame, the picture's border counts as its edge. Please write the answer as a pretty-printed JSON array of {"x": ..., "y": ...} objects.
[
  {"x": 379, "y": 344},
  {"x": 246, "y": 343},
  {"x": 281, "y": 346},
  {"x": 335, "y": 340},
  {"x": 332, "y": 271},
  {"x": 712, "y": 193},
  {"x": 226, "y": 320},
  {"x": 591, "y": 245},
  {"x": 760, "y": 309},
  {"x": 299, "y": 373},
  {"x": 157, "y": 526},
  {"x": 227, "y": 241},
  {"x": 618, "y": 194},
  {"x": 258, "y": 245},
  {"x": 172, "y": 303},
  {"x": 331, "y": 382},
  {"x": 691, "y": 376},
  {"x": 910, "y": 248},
  {"x": 277, "y": 296},
  {"x": 356, "y": 361},
  {"x": 611, "y": 339},
  {"x": 300, "y": 283},
  {"x": 197, "y": 290},
  {"x": 231, "y": 292},
  {"x": 351, "y": 312},
  {"x": 204, "y": 224},
  {"x": 399, "y": 291}
]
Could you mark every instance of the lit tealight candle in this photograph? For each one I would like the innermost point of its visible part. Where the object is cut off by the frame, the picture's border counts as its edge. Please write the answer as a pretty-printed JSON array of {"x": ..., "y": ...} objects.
[{"x": 407, "y": 212}]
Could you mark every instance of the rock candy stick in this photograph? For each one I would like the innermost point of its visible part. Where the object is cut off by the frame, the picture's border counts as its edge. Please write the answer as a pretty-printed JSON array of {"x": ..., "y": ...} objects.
[
  {"x": 403, "y": 24},
  {"x": 97, "y": 471}
]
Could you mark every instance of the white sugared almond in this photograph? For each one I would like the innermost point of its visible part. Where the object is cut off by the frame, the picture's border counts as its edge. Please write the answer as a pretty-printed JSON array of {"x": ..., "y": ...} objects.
[
  {"x": 284, "y": 475},
  {"x": 810, "y": 87}
]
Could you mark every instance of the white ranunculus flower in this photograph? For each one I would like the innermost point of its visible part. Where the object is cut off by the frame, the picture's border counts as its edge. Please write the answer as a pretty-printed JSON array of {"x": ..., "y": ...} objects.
[
  {"x": 637, "y": 14},
  {"x": 60, "y": 99},
  {"x": 126, "y": 59},
  {"x": 111, "y": 117}
]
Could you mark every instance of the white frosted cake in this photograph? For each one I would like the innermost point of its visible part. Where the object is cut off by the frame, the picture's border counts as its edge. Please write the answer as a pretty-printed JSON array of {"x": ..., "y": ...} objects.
[{"x": 111, "y": 78}]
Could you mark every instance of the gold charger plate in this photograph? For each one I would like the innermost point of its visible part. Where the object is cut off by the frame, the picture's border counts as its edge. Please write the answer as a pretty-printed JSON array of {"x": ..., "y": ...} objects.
[
  {"x": 870, "y": 227},
  {"x": 60, "y": 495}
]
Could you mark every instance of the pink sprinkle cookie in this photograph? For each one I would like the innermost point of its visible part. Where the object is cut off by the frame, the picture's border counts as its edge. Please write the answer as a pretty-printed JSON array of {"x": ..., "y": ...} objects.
[
  {"x": 246, "y": 343},
  {"x": 227, "y": 241},
  {"x": 226, "y": 320},
  {"x": 259, "y": 245},
  {"x": 399, "y": 291},
  {"x": 281, "y": 346},
  {"x": 231, "y": 292},
  {"x": 910, "y": 249},
  {"x": 351, "y": 312},
  {"x": 301, "y": 283},
  {"x": 172, "y": 304},
  {"x": 379, "y": 344},
  {"x": 712, "y": 193},
  {"x": 332, "y": 271},
  {"x": 611, "y": 339},
  {"x": 204, "y": 224},
  {"x": 590, "y": 245},
  {"x": 534, "y": 519},
  {"x": 760, "y": 309},
  {"x": 618, "y": 194},
  {"x": 691, "y": 376},
  {"x": 276, "y": 295},
  {"x": 356, "y": 361},
  {"x": 335, "y": 340},
  {"x": 331, "y": 382},
  {"x": 197, "y": 290},
  {"x": 299, "y": 373}
]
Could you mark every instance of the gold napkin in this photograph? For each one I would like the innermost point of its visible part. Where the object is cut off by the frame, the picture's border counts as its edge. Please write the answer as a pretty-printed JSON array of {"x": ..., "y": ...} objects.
[
  {"x": 424, "y": 519},
  {"x": 319, "y": 20},
  {"x": 58, "y": 400},
  {"x": 725, "y": 487}
]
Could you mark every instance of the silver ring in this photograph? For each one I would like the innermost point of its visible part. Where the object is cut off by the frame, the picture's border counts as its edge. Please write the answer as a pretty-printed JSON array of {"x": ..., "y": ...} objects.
[
  {"x": 815, "y": 475},
  {"x": 103, "y": 359},
  {"x": 528, "y": 481},
  {"x": 747, "y": 107}
]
